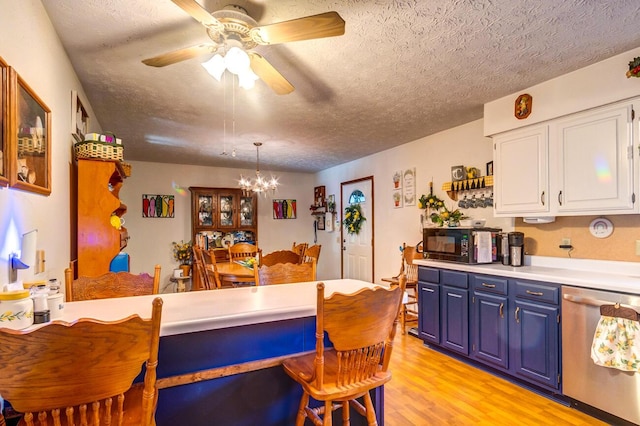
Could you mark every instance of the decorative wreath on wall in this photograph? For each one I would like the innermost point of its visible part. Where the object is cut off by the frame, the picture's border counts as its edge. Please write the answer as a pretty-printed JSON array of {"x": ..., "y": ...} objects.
[{"x": 353, "y": 218}]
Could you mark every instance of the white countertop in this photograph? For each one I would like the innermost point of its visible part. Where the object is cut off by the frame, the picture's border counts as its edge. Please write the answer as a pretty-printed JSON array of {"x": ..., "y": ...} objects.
[
  {"x": 598, "y": 274},
  {"x": 214, "y": 309}
]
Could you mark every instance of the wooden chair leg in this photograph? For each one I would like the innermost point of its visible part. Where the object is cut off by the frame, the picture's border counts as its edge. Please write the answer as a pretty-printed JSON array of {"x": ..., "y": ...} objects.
[
  {"x": 328, "y": 411},
  {"x": 403, "y": 319},
  {"x": 346, "y": 420},
  {"x": 302, "y": 413},
  {"x": 371, "y": 412}
]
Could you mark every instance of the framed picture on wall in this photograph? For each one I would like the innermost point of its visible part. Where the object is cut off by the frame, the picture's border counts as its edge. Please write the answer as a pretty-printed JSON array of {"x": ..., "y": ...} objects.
[
  {"x": 4, "y": 119},
  {"x": 320, "y": 222},
  {"x": 29, "y": 138}
]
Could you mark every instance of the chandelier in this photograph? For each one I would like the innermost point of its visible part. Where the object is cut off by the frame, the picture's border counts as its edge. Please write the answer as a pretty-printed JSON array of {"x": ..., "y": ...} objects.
[{"x": 259, "y": 184}]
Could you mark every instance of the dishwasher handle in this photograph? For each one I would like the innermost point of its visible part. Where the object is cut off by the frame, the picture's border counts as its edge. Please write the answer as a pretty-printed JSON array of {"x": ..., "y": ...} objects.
[{"x": 592, "y": 302}]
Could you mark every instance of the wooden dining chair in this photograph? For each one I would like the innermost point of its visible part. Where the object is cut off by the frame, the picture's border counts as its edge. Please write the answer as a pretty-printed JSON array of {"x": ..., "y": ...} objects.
[
  {"x": 409, "y": 311},
  {"x": 206, "y": 269},
  {"x": 300, "y": 249},
  {"x": 312, "y": 252},
  {"x": 111, "y": 284},
  {"x": 242, "y": 251},
  {"x": 361, "y": 326},
  {"x": 280, "y": 256},
  {"x": 285, "y": 273},
  {"x": 83, "y": 372}
]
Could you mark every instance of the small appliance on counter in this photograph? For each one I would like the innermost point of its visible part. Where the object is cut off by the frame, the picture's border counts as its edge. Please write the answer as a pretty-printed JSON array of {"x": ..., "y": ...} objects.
[
  {"x": 516, "y": 248},
  {"x": 503, "y": 237},
  {"x": 462, "y": 245}
]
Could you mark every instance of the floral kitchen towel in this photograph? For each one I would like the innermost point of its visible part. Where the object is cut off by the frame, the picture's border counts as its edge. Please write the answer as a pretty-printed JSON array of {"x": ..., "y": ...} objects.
[{"x": 616, "y": 343}]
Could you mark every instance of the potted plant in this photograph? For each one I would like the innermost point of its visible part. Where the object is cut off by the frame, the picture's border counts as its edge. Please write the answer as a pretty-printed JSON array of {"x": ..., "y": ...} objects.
[{"x": 182, "y": 253}]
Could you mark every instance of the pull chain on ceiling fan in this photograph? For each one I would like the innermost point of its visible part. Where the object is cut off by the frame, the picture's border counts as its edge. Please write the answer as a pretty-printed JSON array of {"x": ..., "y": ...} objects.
[{"x": 233, "y": 27}]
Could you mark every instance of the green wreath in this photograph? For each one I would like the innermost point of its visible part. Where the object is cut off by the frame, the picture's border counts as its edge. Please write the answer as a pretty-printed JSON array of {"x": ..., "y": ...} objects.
[{"x": 353, "y": 219}]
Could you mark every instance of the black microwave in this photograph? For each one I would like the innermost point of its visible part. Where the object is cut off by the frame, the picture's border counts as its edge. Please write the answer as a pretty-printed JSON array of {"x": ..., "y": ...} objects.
[{"x": 462, "y": 245}]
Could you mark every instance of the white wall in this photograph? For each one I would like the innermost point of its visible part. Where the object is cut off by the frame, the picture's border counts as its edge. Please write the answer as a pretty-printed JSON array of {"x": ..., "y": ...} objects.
[
  {"x": 432, "y": 157},
  {"x": 29, "y": 44},
  {"x": 151, "y": 238},
  {"x": 598, "y": 84}
]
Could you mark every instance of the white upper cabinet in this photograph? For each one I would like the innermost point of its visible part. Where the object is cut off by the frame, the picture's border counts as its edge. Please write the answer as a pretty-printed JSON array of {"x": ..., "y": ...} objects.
[
  {"x": 521, "y": 171},
  {"x": 594, "y": 153},
  {"x": 581, "y": 164}
]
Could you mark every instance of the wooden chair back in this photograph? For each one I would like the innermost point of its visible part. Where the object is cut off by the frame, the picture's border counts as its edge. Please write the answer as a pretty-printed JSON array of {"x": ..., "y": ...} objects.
[
  {"x": 300, "y": 249},
  {"x": 280, "y": 256},
  {"x": 111, "y": 284},
  {"x": 204, "y": 264},
  {"x": 409, "y": 254},
  {"x": 89, "y": 365},
  {"x": 312, "y": 253},
  {"x": 242, "y": 251},
  {"x": 361, "y": 326},
  {"x": 285, "y": 273}
]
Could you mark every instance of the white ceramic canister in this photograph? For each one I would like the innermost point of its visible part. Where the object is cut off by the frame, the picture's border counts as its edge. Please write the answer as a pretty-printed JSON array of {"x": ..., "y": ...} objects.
[
  {"x": 56, "y": 305},
  {"x": 16, "y": 309}
]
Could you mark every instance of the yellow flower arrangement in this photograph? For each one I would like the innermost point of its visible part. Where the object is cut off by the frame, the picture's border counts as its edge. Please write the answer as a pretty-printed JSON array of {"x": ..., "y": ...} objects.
[
  {"x": 431, "y": 202},
  {"x": 353, "y": 218},
  {"x": 447, "y": 217},
  {"x": 182, "y": 252}
]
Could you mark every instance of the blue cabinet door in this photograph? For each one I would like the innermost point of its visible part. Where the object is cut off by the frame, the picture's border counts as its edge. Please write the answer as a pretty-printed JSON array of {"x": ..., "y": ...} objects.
[
  {"x": 490, "y": 342},
  {"x": 455, "y": 319},
  {"x": 429, "y": 312},
  {"x": 535, "y": 343}
]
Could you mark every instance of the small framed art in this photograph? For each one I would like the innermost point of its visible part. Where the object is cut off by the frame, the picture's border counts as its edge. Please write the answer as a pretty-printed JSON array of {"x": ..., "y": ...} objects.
[{"x": 29, "y": 138}]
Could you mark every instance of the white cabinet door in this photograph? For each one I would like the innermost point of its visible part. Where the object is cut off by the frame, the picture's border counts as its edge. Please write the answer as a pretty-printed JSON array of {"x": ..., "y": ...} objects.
[
  {"x": 521, "y": 171},
  {"x": 594, "y": 153}
]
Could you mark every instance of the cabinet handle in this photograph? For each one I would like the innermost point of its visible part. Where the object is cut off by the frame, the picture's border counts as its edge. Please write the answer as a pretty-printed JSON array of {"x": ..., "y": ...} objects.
[
  {"x": 535, "y": 293},
  {"x": 488, "y": 285},
  {"x": 516, "y": 315},
  {"x": 542, "y": 198},
  {"x": 502, "y": 310},
  {"x": 560, "y": 197}
]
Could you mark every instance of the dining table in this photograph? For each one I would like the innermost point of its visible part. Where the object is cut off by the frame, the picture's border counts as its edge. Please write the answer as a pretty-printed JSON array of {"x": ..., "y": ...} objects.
[{"x": 232, "y": 272}]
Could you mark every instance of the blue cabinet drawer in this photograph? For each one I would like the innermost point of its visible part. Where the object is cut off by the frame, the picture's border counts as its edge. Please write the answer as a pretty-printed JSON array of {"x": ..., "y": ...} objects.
[
  {"x": 489, "y": 284},
  {"x": 431, "y": 275},
  {"x": 454, "y": 279},
  {"x": 541, "y": 292}
]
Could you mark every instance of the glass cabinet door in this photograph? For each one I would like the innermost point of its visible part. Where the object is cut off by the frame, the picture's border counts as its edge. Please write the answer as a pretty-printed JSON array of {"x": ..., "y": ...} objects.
[
  {"x": 205, "y": 210},
  {"x": 226, "y": 211},
  {"x": 247, "y": 212}
]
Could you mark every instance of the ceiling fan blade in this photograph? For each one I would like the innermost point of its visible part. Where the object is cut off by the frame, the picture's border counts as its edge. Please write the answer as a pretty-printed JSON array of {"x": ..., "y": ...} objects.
[
  {"x": 269, "y": 74},
  {"x": 328, "y": 24},
  {"x": 198, "y": 13},
  {"x": 180, "y": 55}
]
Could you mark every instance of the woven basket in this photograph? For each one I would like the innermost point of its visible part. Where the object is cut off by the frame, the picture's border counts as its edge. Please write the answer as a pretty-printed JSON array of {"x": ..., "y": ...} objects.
[
  {"x": 31, "y": 145},
  {"x": 94, "y": 149}
]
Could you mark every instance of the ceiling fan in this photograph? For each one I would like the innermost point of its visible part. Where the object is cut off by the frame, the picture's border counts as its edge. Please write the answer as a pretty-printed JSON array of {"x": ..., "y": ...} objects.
[{"x": 233, "y": 27}]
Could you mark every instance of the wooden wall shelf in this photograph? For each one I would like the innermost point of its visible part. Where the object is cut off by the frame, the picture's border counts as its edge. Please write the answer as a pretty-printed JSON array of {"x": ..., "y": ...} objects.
[{"x": 479, "y": 183}]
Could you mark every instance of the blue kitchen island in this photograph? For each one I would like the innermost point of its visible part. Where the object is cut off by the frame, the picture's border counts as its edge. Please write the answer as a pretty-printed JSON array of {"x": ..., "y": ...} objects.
[{"x": 220, "y": 351}]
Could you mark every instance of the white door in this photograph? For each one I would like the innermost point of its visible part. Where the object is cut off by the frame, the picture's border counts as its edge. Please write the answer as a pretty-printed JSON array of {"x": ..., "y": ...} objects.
[{"x": 357, "y": 249}]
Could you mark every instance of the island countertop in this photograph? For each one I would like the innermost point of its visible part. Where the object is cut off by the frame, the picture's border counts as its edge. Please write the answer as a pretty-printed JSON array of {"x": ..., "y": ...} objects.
[
  {"x": 215, "y": 309},
  {"x": 603, "y": 275}
]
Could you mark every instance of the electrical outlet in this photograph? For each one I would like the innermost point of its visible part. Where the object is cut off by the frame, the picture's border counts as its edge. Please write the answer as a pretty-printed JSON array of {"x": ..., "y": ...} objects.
[{"x": 566, "y": 242}]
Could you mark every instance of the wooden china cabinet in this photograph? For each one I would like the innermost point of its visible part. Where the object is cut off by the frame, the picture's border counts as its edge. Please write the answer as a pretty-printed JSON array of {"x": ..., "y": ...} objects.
[
  {"x": 100, "y": 235},
  {"x": 221, "y": 215}
]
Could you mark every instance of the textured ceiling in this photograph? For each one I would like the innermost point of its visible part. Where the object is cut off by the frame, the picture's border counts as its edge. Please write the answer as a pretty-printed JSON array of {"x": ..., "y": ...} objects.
[{"x": 403, "y": 70}]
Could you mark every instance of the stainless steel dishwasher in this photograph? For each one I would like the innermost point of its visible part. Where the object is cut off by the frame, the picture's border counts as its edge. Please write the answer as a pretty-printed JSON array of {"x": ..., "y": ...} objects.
[{"x": 614, "y": 391}]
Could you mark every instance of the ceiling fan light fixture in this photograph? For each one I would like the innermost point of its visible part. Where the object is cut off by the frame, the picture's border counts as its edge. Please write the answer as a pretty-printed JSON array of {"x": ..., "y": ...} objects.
[
  {"x": 237, "y": 61},
  {"x": 215, "y": 66}
]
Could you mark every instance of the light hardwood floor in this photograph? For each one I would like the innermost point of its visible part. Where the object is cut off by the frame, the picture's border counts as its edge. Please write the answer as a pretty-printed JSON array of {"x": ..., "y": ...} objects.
[{"x": 429, "y": 388}]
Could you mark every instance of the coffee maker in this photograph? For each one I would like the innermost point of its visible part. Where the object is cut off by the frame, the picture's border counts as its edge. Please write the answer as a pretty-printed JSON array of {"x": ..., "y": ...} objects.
[{"x": 516, "y": 248}]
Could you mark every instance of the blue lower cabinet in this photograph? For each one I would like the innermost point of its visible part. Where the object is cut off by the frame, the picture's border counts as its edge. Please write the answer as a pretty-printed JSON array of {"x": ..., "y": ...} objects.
[
  {"x": 429, "y": 312},
  {"x": 535, "y": 343},
  {"x": 454, "y": 303},
  {"x": 511, "y": 325},
  {"x": 490, "y": 341}
]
